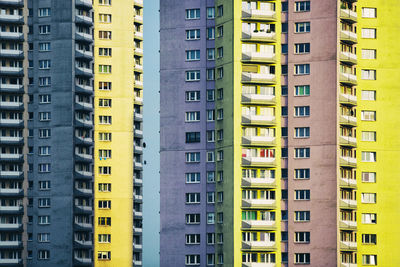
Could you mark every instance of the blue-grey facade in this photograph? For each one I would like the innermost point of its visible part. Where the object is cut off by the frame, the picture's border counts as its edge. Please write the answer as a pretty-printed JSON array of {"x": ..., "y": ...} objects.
[
  {"x": 60, "y": 142},
  {"x": 187, "y": 188}
]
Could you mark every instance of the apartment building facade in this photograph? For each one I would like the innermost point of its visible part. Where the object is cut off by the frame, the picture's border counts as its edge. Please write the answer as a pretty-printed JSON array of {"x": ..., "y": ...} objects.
[
  {"x": 303, "y": 93},
  {"x": 71, "y": 78}
]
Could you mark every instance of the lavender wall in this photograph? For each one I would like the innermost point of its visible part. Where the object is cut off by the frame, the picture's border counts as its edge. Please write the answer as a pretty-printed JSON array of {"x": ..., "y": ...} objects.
[{"x": 173, "y": 127}]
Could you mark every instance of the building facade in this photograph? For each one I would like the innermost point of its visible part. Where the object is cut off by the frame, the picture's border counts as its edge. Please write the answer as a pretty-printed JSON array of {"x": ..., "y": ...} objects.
[
  {"x": 71, "y": 111},
  {"x": 296, "y": 129}
]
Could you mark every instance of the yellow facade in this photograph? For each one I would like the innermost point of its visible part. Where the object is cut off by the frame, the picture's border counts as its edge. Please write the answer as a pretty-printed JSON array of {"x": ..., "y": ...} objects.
[{"x": 114, "y": 243}]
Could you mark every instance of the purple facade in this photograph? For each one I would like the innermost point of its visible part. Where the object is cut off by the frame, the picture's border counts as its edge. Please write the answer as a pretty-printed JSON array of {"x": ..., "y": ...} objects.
[{"x": 175, "y": 103}]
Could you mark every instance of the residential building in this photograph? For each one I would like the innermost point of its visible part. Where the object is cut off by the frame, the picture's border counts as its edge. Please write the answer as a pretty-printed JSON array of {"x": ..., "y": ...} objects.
[{"x": 277, "y": 140}]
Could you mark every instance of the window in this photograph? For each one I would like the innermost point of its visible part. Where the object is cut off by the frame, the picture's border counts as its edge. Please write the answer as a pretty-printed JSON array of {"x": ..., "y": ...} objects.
[
  {"x": 210, "y": 217},
  {"x": 44, "y": 12},
  {"x": 368, "y": 115},
  {"x": 210, "y": 53},
  {"x": 104, "y": 68},
  {"x": 301, "y": 194},
  {"x": 44, "y": 202},
  {"x": 302, "y": 258},
  {"x": 220, "y": 52},
  {"x": 192, "y": 177},
  {"x": 192, "y": 116},
  {"x": 369, "y": 260},
  {"x": 44, "y": 64},
  {"x": 44, "y": 219},
  {"x": 284, "y": 69},
  {"x": 192, "y": 96},
  {"x": 44, "y": 47},
  {"x": 302, "y": 90},
  {"x": 368, "y": 156},
  {"x": 105, "y": 86},
  {"x": 220, "y": 114},
  {"x": 210, "y": 33},
  {"x": 44, "y": 29},
  {"x": 105, "y": 2},
  {"x": 104, "y": 204},
  {"x": 192, "y": 137},
  {"x": 369, "y": 239},
  {"x": 104, "y": 221},
  {"x": 220, "y": 197},
  {"x": 220, "y": 155},
  {"x": 106, "y": 52},
  {"x": 104, "y": 238},
  {"x": 210, "y": 74},
  {"x": 44, "y": 185},
  {"x": 284, "y": 194},
  {"x": 369, "y": 198},
  {"x": 192, "y": 55},
  {"x": 193, "y": 75},
  {"x": 368, "y": 33},
  {"x": 192, "y": 157},
  {"x": 302, "y": 173},
  {"x": 105, "y": 35},
  {"x": 302, "y": 6},
  {"x": 105, "y": 119},
  {"x": 284, "y": 27},
  {"x": 301, "y": 27},
  {"x": 44, "y": 99},
  {"x": 284, "y": 48},
  {"x": 192, "y": 239},
  {"x": 220, "y": 238},
  {"x": 210, "y": 12},
  {"x": 210, "y": 95},
  {"x": 44, "y": 81},
  {"x": 44, "y": 150},
  {"x": 104, "y": 102},
  {"x": 368, "y": 53},
  {"x": 192, "y": 259},
  {"x": 302, "y": 237},
  {"x": 368, "y": 95},
  {"x": 105, "y": 18},
  {"x": 368, "y": 74},
  {"x": 44, "y": 167},
  {"x": 210, "y": 115},
  {"x": 302, "y": 69},
  {"x": 302, "y": 111},
  {"x": 192, "y": 198},
  {"x": 104, "y": 255},
  {"x": 105, "y": 136},
  {"x": 284, "y": 131},
  {"x": 220, "y": 31},
  {"x": 368, "y": 136},
  {"x": 302, "y": 48},
  {"x": 43, "y": 254},
  {"x": 285, "y": 7},
  {"x": 43, "y": 237},
  {"x": 192, "y": 218},
  {"x": 104, "y": 187},
  {"x": 369, "y": 177},
  {"x": 301, "y": 216},
  {"x": 193, "y": 34},
  {"x": 210, "y": 156},
  {"x": 284, "y": 111},
  {"x": 368, "y": 12},
  {"x": 220, "y": 94},
  {"x": 44, "y": 116},
  {"x": 220, "y": 72},
  {"x": 210, "y": 197},
  {"x": 210, "y": 177},
  {"x": 368, "y": 218},
  {"x": 193, "y": 13},
  {"x": 302, "y": 132},
  {"x": 210, "y": 259},
  {"x": 220, "y": 10},
  {"x": 105, "y": 170}
]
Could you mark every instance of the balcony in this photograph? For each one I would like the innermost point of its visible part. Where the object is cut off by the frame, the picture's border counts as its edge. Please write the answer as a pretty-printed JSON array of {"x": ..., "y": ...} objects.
[
  {"x": 84, "y": 140},
  {"x": 347, "y": 245},
  {"x": 253, "y": 119},
  {"x": 264, "y": 78},
  {"x": 138, "y": 197},
  {"x": 83, "y": 105},
  {"x": 348, "y": 120},
  {"x": 258, "y": 141},
  {"x": 83, "y": 209},
  {"x": 137, "y": 181},
  {"x": 348, "y": 36},
  {"x": 348, "y": 264},
  {"x": 258, "y": 264},
  {"x": 346, "y": 182},
  {"x": 258, "y": 225},
  {"x": 81, "y": 157},
  {"x": 348, "y": 225},
  {"x": 348, "y": 204},
  {"x": 11, "y": 88},
  {"x": 10, "y": 226},
  {"x": 9, "y": 262},
  {"x": 347, "y": 141},
  {"x": 259, "y": 182},
  {"x": 83, "y": 174},
  {"x": 138, "y": 214},
  {"x": 16, "y": 3},
  {"x": 259, "y": 203},
  {"x": 258, "y": 14},
  {"x": 83, "y": 123},
  {"x": 84, "y": 3},
  {"x": 348, "y": 58},
  {"x": 258, "y": 162},
  {"x": 11, "y": 18},
  {"x": 138, "y": 116},
  {"x": 138, "y": 35},
  {"x": 348, "y": 99},
  {"x": 138, "y": 84},
  {"x": 81, "y": 88},
  {"x": 137, "y": 246},
  {"x": 11, "y": 209},
  {"x": 138, "y": 68},
  {"x": 138, "y": 149},
  {"x": 11, "y": 140},
  {"x": 136, "y": 262},
  {"x": 82, "y": 71},
  {"x": 11, "y": 53},
  {"x": 258, "y": 99},
  {"x": 138, "y": 165},
  {"x": 11, "y": 157},
  {"x": 348, "y": 78},
  {"x": 7, "y": 105},
  {"x": 10, "y": 244},
  {"x": 137, "y": 230},
  {"x": 84, "y": 226},
  {"x": 88, "y": 55},
  {"x": 82, "y": 36},
  {"x": 348, "y": 162},
  {"x": 258, "y": 245},
  {"x": 12, "y": 36},
  {"x": 138, "y": 133},
  {"x": 11, "y": 192},
  {"x": 83, "y": 260},
  {"x": 349, "y": 15},
  {"x": 138, "y": 3},
  {"x": 138, "y": 51},
  {"x": 11, "y": 71},
  {"x": 139, "y": 19},
  {"x": 81, "y": 19},
  {"x": 12, "y": 123},
  {"x": 258, "y": 36},
  {"x": 258, "y": 57},
  {"x": 138, "y": 100},
  {"x": 11, "y": 175},
  {"x": 84, "y": 191}
]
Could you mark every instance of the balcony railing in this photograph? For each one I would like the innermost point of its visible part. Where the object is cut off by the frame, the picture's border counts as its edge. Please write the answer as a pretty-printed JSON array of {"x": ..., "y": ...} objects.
[
  {"x": 138, "y": 2},
  {"x": 348, "y": 264},
  {"x": 348, "y": 78},
  {"x": 349, "y": 225},
  {"x": 259, "y": 245},
  {"x": 258, "y": 264},
  {"x": 252, "y": 77},
  {"x": 12, "y": 105},
  {"x": 258, "y": 140},
  {"x": 348, "y": 120},
  {"x": 258, "y": 14},
  {"x": 258, "y": 182},
  {"x": 12, "y": 35},
  {"x": 352, "y": 183},
  {"x": 11, "y": 53},
  {"x": 348, "y": 99},
  {"x": 348, "y": 36},
  {"x": 258, "y": 224},
  {"x": 260, "y": 36},
  {"x": 139, "y": 18},
  {"x": 258, "y": 161},
  {"x": 259, "y": 203},
  {"x": 348, "y": 57},
  {"x": 348, "y": 203},
  {"x": 348, "y": 14},
  {"x": 11, "y": 70},
  {"x": 258, "y": 119},
  {"x": 348, "y": 161},
  {"x": 258, "y": 57},
  {"x": 348, "y": 245},
  {"x": 10, "y": 261},
  {"x": 348, "y": 141},
  {"x": 258, "y": 99},
  {"x": 139, "y": 35}
]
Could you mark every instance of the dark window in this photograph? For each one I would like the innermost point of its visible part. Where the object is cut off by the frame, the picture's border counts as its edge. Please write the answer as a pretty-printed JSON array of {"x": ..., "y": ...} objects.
[
  {"x": 284, "y": 48},
  {"x": 284, "y": 257},
  {"x": 284, "y": 6},
  {"x": 284, "y": 215},
  {"x": 284, "y": 131},
  {"x": 284, "y": 27},
  {"x": 193, "y": 137},
  {"x": 284, "y": 69},
  {"x": 284, "y": 110},
  {"x": 284, "y": 194},
  {"x": 284, "y": 90},
  {"x": 284, "y": 152},
  {"x": 284, "y": 173},
  {"x": 284, "y": 236}
]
